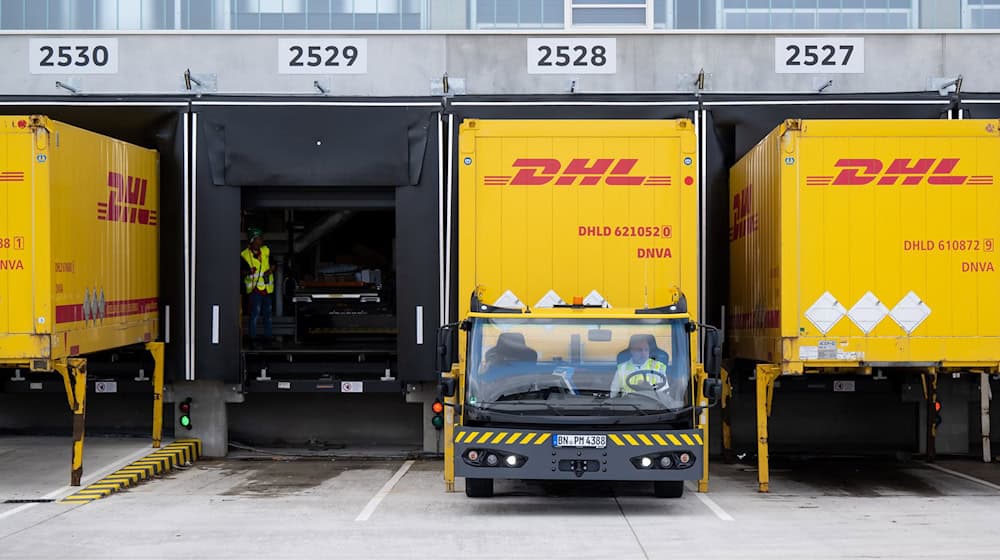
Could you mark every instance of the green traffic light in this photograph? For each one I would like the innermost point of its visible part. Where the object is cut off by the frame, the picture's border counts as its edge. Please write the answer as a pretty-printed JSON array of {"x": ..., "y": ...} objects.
[{"x": 186, "y": 421}]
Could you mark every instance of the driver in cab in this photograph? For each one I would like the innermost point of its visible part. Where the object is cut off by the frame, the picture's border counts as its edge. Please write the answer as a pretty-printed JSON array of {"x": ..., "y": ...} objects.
[{"x": 640, "y": 372}]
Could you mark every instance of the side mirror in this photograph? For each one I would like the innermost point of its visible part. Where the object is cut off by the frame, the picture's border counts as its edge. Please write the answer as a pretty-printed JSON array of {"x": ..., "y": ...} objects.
[
  {"x": 713, "y": 352},
  {"x": 448, "y": 386},
  {"x": 447, "y": 341},
  {"x": 712, "y": 389}
]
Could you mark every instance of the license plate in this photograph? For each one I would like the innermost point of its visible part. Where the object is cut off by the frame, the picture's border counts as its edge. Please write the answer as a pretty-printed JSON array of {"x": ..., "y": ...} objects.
[{"x": 580, "y": 440}]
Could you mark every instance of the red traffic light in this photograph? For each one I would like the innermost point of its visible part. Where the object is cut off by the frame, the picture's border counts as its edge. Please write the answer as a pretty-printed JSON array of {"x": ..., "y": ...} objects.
[
  {"x": 937, "y": 406},
  {"x": 437, "y": 407}
]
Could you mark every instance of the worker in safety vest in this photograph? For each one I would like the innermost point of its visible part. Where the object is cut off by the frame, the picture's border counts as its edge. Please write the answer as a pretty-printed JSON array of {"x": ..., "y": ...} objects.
[
  {"x": 258, "y": 280},
  {"x": 640, "y": 372}
]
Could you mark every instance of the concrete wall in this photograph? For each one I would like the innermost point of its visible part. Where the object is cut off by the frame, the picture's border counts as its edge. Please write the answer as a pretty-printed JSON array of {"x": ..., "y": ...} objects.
[{"x": 406, "y": 64}]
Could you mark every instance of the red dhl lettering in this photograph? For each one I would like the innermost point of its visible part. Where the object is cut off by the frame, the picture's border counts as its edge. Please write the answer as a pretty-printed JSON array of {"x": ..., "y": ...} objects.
[
  {"x": 744, "y": 218},
  {"x": 115, "y": 308},
  {"x": 900, "y": 171},
  {"x": 760, "y": 319},
  {"x": 579, "y": 171},
  {"x": 653, "y": 253},
  {"x": 126, "y": 201},
  {"x": 11, "y": 176},
  {"x": 979, "y": 266},
  {"x": 11, "y": 264}
]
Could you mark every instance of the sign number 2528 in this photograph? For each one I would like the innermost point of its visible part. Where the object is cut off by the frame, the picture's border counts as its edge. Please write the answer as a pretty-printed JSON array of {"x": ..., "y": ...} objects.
[{"x": 571, "y": 55}]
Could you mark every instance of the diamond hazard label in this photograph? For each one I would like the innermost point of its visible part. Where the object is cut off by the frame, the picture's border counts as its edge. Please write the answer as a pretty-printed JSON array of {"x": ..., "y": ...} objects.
[
  {"x": 868, "y": 312},
  {"x": 910, "y": 312},
  {"x": 826, "y": 312}
]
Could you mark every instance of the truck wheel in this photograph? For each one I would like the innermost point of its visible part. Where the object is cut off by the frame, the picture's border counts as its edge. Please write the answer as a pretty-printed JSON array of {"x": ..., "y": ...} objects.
[
  {"x": 667, "y": 489},
  {"x": 479, "y": 487}
]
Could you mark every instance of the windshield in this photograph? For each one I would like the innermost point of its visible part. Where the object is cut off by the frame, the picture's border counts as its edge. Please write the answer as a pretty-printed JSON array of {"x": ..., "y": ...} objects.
[{"x": 578, "y": 367}]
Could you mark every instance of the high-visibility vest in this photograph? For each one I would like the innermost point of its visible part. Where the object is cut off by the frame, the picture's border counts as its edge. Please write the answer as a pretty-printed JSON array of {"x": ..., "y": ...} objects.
[
  {"x": 256, "y": 279},
  {"x": 628, "y": 368}
]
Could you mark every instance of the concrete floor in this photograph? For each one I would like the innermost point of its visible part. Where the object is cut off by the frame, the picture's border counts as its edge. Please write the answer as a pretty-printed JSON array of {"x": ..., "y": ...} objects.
[{"x": 394, "y": 508}]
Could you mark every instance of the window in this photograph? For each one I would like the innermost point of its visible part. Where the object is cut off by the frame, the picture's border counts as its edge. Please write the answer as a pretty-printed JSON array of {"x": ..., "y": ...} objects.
[
  {"x": 87, "y": 14},
  {"x": 818, "y": 14},
  {"x": 539, "y": 14},
  {"x": 981, "y": 14},
  {"x": 610, "y": 13},
  {"x": 328, "y": 14},
  {"x": 517, "y": 14}
]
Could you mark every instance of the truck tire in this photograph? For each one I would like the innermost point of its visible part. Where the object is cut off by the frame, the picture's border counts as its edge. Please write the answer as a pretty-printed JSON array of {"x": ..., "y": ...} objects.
[
  {"x": 479, "y": 487},
  {"x": 668, "y": 488}
]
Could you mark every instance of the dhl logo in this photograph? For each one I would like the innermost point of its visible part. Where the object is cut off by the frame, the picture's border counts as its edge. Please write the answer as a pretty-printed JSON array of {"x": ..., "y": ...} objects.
[
  {"x": 11, "y": 176},
  {"x": 542, "y": 171},
  {"x": 126, "y": 201},
  {"x": 865, "y": 171}
]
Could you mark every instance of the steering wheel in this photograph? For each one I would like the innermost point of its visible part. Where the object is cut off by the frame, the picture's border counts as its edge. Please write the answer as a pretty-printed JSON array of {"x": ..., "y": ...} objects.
[{"x": 637, "y": 380}]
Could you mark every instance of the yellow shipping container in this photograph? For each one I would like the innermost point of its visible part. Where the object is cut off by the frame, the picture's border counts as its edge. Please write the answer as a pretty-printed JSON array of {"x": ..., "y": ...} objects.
[
  {"x": 79, "y": 242},
  {"x": 610, "y": 206},
  {"x": 859, "y": 243}
]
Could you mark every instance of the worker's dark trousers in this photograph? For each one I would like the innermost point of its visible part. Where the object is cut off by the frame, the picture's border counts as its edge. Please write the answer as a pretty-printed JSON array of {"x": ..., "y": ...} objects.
[{"x": 260, "y": 304}]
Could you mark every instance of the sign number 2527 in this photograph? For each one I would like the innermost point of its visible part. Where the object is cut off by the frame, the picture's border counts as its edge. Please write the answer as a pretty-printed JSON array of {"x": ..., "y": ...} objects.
[{"x": 819, "y": 55}]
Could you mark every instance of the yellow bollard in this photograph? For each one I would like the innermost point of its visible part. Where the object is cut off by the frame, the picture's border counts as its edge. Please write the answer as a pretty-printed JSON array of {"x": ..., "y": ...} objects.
[{"x": 74, "y": 374}]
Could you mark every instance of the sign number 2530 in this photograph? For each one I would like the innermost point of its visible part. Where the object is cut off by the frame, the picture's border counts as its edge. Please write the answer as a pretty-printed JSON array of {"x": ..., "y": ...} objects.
[{"x": 73, "y": 55}]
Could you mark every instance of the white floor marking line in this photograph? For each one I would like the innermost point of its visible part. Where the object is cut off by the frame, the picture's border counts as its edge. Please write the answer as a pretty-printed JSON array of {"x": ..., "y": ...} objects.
[
  {"x": 86, "y": 480},
  {"x": 386, "y": 488},
  {"x": 710, "y": 503},
  {"x": 965, "y": 476}
]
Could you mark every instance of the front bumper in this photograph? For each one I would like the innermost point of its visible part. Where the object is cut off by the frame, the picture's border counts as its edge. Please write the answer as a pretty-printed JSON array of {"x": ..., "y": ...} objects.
[{"x": 536, "y": 457}]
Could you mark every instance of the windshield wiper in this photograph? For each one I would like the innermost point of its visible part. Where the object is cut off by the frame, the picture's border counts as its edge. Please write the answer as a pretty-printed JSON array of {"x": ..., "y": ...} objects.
[
  {"x": 548, "y": 406},
  {"x": 606, "y": 403}
]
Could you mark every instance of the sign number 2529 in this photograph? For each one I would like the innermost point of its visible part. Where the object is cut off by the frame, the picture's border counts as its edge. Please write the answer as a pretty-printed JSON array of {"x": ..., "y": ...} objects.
[{"x": 322, "y": 55}]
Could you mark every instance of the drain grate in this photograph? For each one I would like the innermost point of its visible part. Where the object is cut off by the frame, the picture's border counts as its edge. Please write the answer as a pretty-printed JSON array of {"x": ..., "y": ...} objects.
[{"x": 36, "y": 501}]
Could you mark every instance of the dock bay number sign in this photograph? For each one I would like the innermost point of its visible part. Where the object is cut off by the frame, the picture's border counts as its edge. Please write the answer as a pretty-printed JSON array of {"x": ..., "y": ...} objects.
[
  {"x": 572, "y": 55},
  {"x": 819, "y": 55}
]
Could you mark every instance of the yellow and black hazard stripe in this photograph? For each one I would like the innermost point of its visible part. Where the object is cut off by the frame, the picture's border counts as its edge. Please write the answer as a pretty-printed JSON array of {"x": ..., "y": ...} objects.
[
  {"x": 621, "y": 439},
  {"x": 180, "y": 452}
]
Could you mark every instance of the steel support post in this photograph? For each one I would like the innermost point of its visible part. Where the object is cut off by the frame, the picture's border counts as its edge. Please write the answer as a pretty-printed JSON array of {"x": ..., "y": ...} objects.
[{"x": 766, "y": 375}]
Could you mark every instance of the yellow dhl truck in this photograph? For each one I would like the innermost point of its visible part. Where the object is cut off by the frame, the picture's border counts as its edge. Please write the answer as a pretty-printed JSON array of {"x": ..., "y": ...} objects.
[
  {"x": 79, "y": 252},
  {"x": 859, "y": 247},
  {"x": 576, "y": 354}
]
